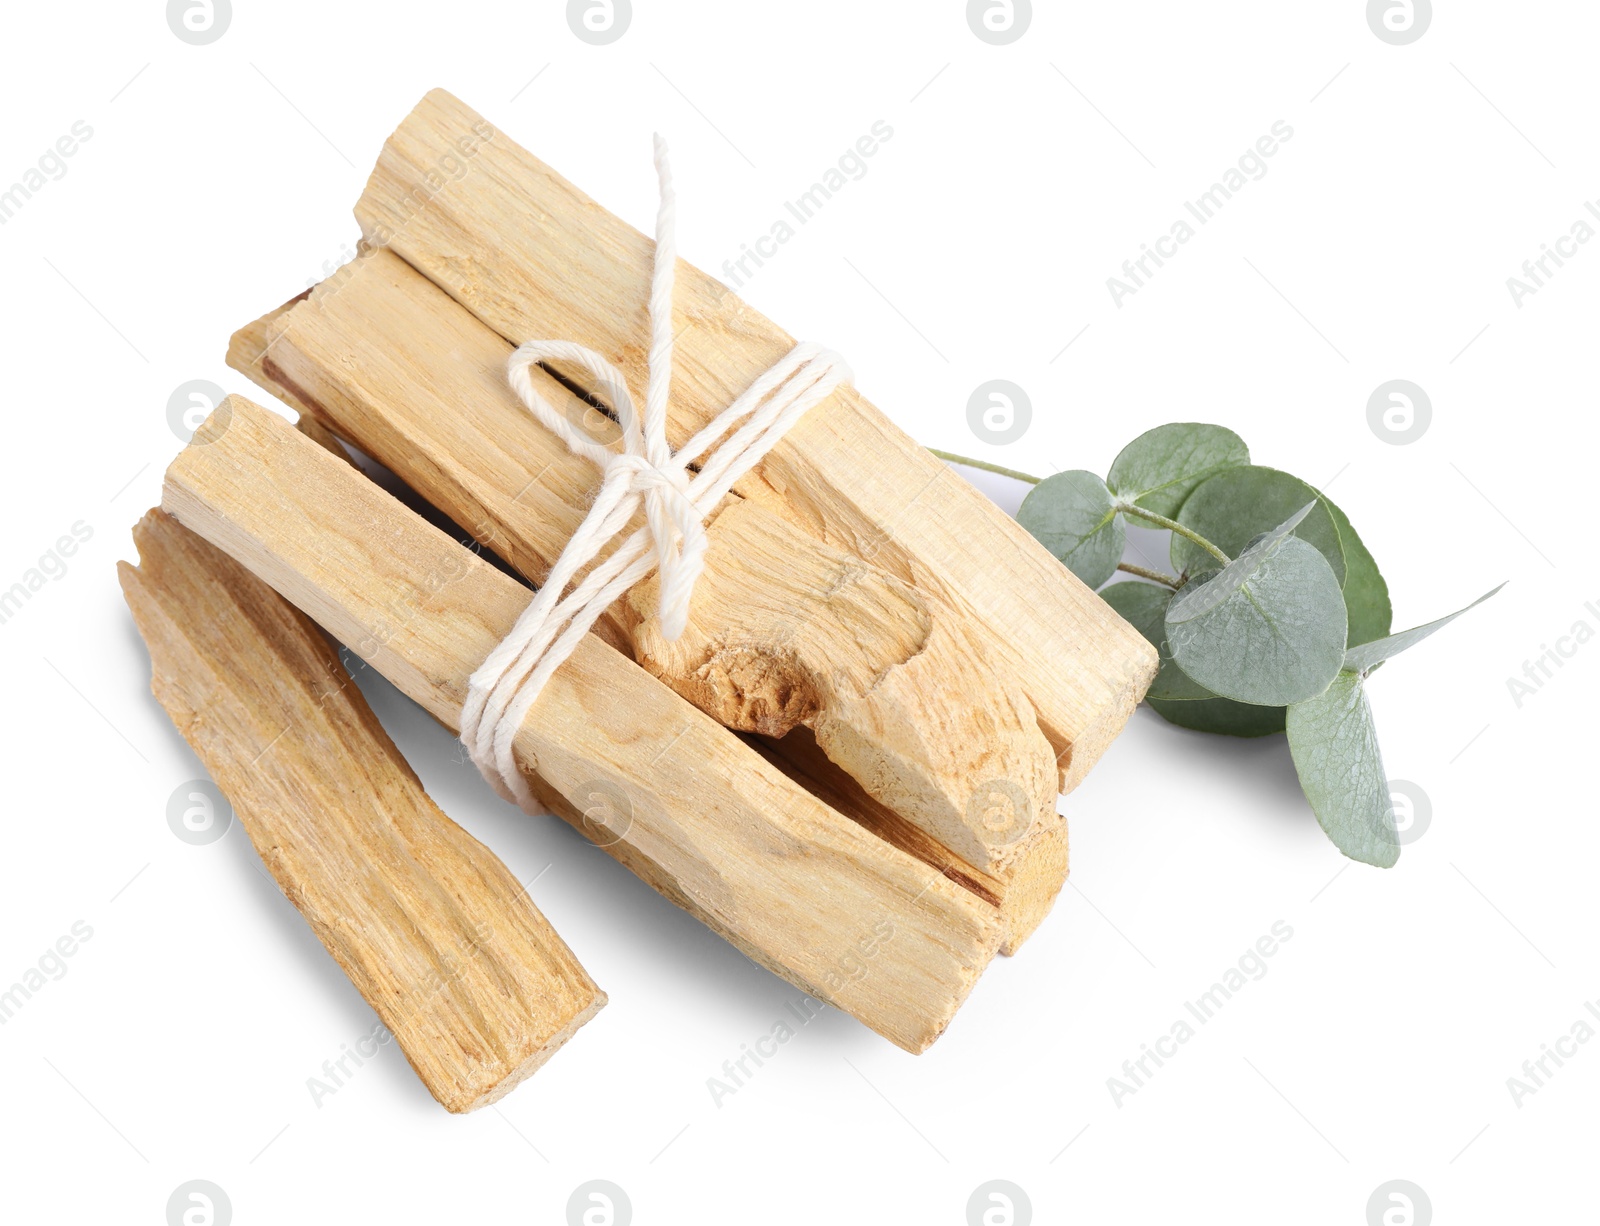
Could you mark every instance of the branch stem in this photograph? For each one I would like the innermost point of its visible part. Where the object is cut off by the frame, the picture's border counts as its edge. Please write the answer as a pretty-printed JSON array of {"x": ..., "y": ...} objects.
[
  {"x": 1127, "y": 508},
  {"x": 1172, "y": 525},
  {"x": 969, "y": 462},
  {"x": 1156, "y": 576}
]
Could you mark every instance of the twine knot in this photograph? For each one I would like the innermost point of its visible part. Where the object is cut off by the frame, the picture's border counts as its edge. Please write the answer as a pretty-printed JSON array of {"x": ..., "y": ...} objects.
[{"x": 645, "y": 472}]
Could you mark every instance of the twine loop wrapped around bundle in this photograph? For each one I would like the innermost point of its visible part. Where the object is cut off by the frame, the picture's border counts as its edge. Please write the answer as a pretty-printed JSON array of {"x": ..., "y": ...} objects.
[{"x": 676, "y": 502}]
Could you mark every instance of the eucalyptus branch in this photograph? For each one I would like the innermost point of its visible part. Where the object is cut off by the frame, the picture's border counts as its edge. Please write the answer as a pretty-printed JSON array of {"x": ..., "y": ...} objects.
[
  {"x": 987, "y": 467},
  {"x": 1249, "y": 657},
  {"x": 1172, "y": 525}
]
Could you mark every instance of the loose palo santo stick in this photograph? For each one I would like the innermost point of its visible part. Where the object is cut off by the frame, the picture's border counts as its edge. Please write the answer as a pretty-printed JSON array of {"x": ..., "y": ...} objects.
[
  {"x": 475, "y": 985},
  {"x": 784, "y": 630},
  {"x": 534, "y": 257},
  {"x": 704, "y": 820}
]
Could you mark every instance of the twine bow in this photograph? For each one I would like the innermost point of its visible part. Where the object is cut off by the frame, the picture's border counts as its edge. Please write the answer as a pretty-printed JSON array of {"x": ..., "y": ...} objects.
[{"x": 676, "y": 501}]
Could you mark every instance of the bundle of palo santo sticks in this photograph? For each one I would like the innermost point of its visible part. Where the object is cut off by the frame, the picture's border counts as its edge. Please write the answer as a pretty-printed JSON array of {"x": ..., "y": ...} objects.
[{"x": 848, "y": 765}]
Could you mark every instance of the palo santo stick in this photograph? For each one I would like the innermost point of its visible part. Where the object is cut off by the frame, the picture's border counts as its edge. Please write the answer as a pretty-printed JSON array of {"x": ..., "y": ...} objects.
[
  {"x": 422, "y": 437},
  {"x": 784, "y": 631},
  {"x": 1024, "y": 892},
  {"x": 532, "y": 256},
  {"x": 707, "y": 822},
  {"x": 475, "y": 985}
]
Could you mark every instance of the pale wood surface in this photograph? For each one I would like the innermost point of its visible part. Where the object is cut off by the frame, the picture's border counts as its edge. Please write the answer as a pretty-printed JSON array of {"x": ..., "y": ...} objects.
[
  {"x": 532, "y": 256},
  {"x": 1024, "y": 891},
  {"x": 784, "y": 629},
  {"x": 475, "y": 985},
  {"x": 706, "y": 821}
]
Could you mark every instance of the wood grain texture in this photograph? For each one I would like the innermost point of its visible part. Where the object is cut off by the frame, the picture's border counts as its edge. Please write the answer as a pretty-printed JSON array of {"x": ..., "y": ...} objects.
[
  {"x": 437, "y": 935},
  {"x": 699, "y": 816},
  {"x": 1024, "y": 891},
  {"x": 784, "y": 631},
  {"x": 532, "y": 256}
]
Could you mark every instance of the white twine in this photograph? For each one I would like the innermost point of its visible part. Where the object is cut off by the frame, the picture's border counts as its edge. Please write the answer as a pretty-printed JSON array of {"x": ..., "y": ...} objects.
[{"x": 508, "y": 682}]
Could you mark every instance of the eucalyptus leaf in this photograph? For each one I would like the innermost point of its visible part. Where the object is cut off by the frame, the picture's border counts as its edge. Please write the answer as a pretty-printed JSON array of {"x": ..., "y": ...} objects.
[
  {"x": 1366, "y": 595},
  {"x": 1335, "y": 750},
  {"x": 1199, "y": 597},
  {"x": 1173, "y": 695},
  {"x": 1072, "y": 515},
  {"x": 1367, "y": 656},
  {"x": 1160, "y": 468},
  {"x": 1269, "y": 628},
  {"x": 1239, "y": 504},
  {"x": 1144, "y": 605},
  {"x": 1221, "y": 716}
]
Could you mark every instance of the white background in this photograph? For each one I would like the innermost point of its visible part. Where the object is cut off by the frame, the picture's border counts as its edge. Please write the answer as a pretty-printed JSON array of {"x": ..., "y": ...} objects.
[{"x": 218, "y": 181}]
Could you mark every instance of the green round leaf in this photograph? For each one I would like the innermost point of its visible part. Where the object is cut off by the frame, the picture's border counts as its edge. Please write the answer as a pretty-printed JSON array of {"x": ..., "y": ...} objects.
[
  {"x": 1222, "y": 716},
  {"x": 1335, "y": 750},
  {"x": 1071, "y": 514},
  {"x": 1268, "y": 629},
  {"x": 1366, "y": 595},
  {"x": 1237, "y": 505},
  {"x": 1144, "y": 605},
  {"x": 1160, "y": 468}
]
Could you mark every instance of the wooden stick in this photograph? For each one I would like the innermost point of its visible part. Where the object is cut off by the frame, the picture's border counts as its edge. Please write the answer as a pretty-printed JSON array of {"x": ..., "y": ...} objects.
[
  {"x": 532, "y": 256},
  {"x": 1024, "y": 892},
  {"x": 785, "y": 630},
  {"x": 423, "y": 438},
  {"x": 704, "y": 820},
  {"x": 437, "y": 935}
]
